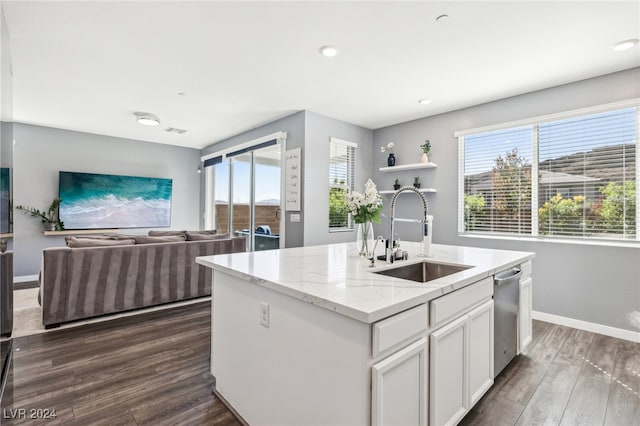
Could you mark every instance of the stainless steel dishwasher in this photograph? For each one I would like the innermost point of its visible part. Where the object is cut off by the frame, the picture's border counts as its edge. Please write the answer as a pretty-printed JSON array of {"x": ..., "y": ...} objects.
[{"x": 506, "y": 292}]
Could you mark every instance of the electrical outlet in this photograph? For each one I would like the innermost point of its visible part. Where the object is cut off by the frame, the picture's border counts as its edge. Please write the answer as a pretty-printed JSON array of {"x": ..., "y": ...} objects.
[{"x": 264, "y": 314}]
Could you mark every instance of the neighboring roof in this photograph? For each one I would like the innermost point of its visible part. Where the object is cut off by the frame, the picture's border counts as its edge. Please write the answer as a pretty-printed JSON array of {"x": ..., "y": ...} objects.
[
  {"x": 482, "y": 181},
  {"x": 546, "y": 177}
]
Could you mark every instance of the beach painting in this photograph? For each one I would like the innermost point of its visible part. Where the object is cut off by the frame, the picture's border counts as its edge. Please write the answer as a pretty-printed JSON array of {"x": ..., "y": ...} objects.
[{"x": 99, "y": 201}]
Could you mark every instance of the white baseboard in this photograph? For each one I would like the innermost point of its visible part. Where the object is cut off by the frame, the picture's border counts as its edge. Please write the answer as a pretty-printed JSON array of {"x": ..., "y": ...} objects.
[
  {"x": 25, "y": 278},
  {"x": 619, "y": 333}
]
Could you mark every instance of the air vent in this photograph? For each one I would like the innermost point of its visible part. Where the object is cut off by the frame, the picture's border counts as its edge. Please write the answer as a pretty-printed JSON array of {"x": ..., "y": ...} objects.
[{"x": 174, "y": 130}]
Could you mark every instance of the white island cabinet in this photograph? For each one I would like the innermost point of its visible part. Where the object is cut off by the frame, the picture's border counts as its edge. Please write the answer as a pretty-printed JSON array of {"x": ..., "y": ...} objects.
[
  {"x": 399, "y": 387},
  {"x": 312, "y": 336},
  {"x": 461, "y": 351},
  {"x": 400, "y": 373},
  {"x": 525, "y": 326}
]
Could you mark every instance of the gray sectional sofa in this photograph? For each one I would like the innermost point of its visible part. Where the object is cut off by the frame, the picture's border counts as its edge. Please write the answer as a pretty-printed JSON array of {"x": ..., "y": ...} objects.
[
  {"x": 84, "y": 282},
  {"x": 6, "y": 293}
]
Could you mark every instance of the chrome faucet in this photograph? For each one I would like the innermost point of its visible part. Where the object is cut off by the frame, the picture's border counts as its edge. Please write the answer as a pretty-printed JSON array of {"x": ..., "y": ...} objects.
[{"x": 391, "y": 249}]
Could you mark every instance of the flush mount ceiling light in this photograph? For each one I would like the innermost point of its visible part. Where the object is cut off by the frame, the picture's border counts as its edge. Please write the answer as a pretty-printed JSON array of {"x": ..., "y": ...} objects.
[
  {"x": 424, "y": 101},
  {"x": 624, "y": 44},
  {"x": 329, "y": 50},
  {"x": 147, "y": 119}
]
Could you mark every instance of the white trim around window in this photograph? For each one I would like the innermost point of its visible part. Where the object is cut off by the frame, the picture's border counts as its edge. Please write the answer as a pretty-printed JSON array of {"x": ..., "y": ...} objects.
[
  {"x": 279, "y": 136},
  {"x": 343, "y": 142}
]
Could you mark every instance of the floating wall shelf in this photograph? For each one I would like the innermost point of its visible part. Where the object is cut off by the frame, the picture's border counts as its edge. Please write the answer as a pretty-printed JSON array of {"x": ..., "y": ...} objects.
[
  {"x": 391, "y": 191},
  {"x": 8, "y": 235},
  {"x": 414, "y": 166}
]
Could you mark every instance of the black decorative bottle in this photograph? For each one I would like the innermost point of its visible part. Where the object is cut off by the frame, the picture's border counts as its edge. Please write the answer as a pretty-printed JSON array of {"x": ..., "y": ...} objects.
[{"x": 391, "y": 161}]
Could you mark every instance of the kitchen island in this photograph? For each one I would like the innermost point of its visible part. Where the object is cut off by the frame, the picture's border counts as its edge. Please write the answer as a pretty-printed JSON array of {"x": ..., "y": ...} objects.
[{"x": 313, "y": 335}]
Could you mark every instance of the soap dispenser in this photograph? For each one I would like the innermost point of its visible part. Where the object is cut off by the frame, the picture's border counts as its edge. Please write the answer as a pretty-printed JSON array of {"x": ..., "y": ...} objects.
[{"x": 426, "y": 237}]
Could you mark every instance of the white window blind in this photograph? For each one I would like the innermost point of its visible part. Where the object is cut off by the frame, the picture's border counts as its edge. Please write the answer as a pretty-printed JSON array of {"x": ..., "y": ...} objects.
[
  {"x": 573, "y": 177},
  {"x": 341, "y": 180},
  {"x": 587, "y": 175},
  {"x": 497, "y": 181}
]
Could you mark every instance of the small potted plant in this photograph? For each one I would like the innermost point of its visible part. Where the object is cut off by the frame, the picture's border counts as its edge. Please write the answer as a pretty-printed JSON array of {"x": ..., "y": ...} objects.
[
  {"x": 416, "y": 181},
  {"x": 48, "y": 217},
  {"x": 396, "y": 185},
  {"x": 426, "y": 148}
]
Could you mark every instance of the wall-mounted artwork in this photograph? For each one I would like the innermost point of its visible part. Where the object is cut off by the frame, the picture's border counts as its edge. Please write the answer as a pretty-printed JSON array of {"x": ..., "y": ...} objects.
[
  {"x": 98, "y": 201},
  {"x": 6, "y": 224}
]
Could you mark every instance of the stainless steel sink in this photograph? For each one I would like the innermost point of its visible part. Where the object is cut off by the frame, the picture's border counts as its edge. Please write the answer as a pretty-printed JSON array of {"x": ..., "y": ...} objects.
[{"x": 422, "y": 271}]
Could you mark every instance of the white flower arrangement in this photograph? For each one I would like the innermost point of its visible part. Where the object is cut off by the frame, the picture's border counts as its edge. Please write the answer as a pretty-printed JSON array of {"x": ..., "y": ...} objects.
[
  {"x": 388, "y": 148},
  {"x": 364, "y": 207}
]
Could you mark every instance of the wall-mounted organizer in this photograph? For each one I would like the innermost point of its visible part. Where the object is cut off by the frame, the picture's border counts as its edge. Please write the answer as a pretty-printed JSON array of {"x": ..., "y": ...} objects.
[{"x": 404, "y": 168}]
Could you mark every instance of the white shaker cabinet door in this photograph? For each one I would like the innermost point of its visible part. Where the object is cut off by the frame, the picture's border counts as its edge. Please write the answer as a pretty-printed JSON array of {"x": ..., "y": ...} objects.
[
  {"x": 399, "y": 387},
  {"x": 525, "y": 326},
  {"x": 480, "y": 351},
  {"x": 449, "y": 385}
]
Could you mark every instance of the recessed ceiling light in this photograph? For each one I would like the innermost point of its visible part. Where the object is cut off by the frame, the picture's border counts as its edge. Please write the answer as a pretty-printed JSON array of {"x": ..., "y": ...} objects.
[
  {"x": 182, "y": 94},
  {"x": 442, "y": 18},
  {"x": 329, "y": 50},
  {"x": 147, "y": 119},
  {"x": 624, "y": 44},
  {"x": 424, "y": 101},
  {"x": 175, "y": 130}
]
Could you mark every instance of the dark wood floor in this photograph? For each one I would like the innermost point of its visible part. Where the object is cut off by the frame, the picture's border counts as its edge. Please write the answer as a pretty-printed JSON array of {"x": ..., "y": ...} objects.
[
  {"x": 567, "y": 377},
  {"x": 153, "y": 369}
]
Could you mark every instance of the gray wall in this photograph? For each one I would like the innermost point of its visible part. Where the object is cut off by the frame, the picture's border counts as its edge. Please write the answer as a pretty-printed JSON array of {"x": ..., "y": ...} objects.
[
  {"x": 319, "y": 130},
  {"x": 294, "y": 126},
  {"x": 40, "y": 152},
  {"x": 6, "y": 144},
  {"x": 311, "y": 132},
  {"x": 6, "y": 74},
  {"x": 594, "y": 283}
]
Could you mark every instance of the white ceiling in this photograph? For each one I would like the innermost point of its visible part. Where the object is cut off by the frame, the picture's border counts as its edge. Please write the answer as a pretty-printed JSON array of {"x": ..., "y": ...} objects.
[{"x": 89, "y": 66}]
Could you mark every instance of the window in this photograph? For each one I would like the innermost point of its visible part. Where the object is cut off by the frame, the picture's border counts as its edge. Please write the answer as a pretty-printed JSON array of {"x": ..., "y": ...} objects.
[
  {"x": 243, "y": 191},
  {"x": 571, "y": 177},
  {"x": 341, "y": 177},
  {"x": 497, "y": 181}
]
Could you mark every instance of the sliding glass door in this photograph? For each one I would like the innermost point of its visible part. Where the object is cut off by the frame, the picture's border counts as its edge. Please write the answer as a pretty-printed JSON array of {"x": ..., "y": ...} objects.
[
  {"x": 266, "y": 206},
  {"x": 241, "y": 170},
  {"x": 247, "y": 196}
]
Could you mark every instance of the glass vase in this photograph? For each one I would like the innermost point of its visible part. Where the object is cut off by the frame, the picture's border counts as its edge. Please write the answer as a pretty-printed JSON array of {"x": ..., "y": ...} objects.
[
  {"x": 364, "y": 238},
  {"x": 391, "y": 160}
]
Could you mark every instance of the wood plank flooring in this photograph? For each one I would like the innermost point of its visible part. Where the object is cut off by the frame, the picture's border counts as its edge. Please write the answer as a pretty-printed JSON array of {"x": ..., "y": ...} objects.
[
  {"x": 152, "y": 369},
  {"x": 567, "y": 377}
]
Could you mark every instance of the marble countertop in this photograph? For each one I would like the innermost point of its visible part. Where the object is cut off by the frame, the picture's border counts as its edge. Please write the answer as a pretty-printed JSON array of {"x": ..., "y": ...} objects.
[{"x": 336, "y": 278}]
